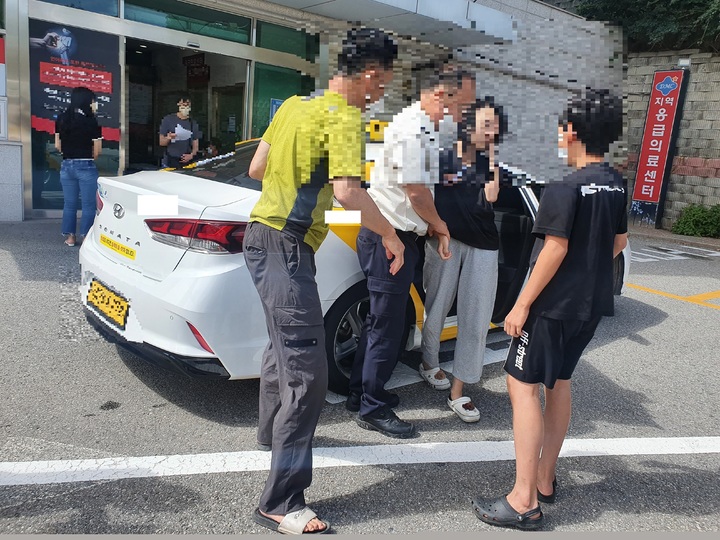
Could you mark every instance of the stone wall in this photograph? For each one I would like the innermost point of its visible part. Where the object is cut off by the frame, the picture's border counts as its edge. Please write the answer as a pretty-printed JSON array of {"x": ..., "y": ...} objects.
[
  {"x": 529, "y": 11},
  {"x": 695, "y": 176},
  {"x": 567, "y": 5},
  {"x": 534, "y": 76}
]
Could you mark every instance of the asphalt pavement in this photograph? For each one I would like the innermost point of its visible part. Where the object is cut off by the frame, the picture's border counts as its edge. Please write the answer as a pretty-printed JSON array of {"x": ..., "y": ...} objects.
[{"x": 643, "y": 446}]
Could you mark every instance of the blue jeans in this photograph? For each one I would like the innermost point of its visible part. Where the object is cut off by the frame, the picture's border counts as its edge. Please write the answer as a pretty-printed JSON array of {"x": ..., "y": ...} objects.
[{"x": 78, "y": 176}]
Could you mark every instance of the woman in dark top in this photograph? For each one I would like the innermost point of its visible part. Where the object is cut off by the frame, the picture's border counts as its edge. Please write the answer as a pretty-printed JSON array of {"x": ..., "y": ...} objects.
[
  {"x": 464, "y": 201},
  {"x": 79, "y": 138}
]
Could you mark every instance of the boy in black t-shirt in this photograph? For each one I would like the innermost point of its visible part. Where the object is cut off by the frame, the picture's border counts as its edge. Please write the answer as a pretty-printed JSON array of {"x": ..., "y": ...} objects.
[{"x": 581, "y": 226}]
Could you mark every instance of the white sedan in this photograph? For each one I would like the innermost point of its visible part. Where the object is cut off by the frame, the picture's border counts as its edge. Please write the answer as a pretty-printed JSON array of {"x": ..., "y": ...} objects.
[{"x": 174, "y": 289}]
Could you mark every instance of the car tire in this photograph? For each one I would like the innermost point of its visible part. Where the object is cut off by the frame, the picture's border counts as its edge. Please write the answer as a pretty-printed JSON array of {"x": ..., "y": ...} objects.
[
  {"x": 343, "y": 326},
  {"x": 618, "y": 274}
]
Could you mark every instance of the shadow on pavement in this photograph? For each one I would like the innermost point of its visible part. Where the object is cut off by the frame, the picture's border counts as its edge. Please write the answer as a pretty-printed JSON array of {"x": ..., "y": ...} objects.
[
  {"x": 623, "y": 487},
  {"x": 112, "y": 507},
  {"x": 593, "y": 389},
  {"x": 234, "y": 403}
]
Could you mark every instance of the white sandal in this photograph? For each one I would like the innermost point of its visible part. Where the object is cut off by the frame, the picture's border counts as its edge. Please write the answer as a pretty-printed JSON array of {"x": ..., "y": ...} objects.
[
  {"x": 464, "y": 408},
  {"x": 292, "y": 523},
  {"x": 429, "y": 377}
]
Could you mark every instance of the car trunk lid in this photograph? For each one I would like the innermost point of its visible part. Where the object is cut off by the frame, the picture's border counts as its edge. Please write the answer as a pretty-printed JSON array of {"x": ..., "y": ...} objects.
[{"x": 120, "y": 229}]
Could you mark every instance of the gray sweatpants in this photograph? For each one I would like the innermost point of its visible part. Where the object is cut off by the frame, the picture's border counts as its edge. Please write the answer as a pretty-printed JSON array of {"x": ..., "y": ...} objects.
[
  {"x": 472, "y": 274},
  {"x": 293, "y": 378}
]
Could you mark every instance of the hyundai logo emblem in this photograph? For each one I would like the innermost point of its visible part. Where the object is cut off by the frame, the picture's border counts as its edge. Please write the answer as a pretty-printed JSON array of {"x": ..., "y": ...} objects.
[{"x": 118, "y": 210}]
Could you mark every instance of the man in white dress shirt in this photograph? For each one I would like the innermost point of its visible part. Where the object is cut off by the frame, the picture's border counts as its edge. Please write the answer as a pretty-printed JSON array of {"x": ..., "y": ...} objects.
[{"x": 400, "y": 185}]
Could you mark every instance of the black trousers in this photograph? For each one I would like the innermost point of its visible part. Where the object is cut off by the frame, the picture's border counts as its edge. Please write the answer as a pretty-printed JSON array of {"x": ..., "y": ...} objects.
[
  {"x": 381, "y": 338},
  {"x": 294, "y": 373},
  {"x": 174, "y": 162}
]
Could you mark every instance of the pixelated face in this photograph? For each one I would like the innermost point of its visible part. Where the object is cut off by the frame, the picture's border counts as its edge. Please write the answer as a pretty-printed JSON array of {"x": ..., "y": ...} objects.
[
  {"x": 487, "y": 127},
  {"x": 457, "y": 100},
  {"x": 374, "y": 81},
  {"x": 565, "y": 135},
  {"x": 184, "y": 107}
]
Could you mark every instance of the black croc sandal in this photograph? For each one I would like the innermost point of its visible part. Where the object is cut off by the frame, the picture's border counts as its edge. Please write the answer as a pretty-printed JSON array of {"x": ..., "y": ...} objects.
[
  {"x": 548, "y": 498},
  {"x": 498, "y": 512}
]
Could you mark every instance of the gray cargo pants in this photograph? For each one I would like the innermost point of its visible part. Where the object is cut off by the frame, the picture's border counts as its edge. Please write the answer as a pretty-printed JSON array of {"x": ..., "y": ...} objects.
[{"x": 293, "y": 379}]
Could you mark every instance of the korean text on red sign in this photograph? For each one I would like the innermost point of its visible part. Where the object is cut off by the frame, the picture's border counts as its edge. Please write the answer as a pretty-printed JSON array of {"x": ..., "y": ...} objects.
[{"x": 655, "y": 147}]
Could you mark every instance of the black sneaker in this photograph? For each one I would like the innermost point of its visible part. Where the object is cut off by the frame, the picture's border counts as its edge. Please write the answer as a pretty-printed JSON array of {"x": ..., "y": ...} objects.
[
  {"x": 353, "y": 401},
  {"x": 264, "y": 447},
  {"x": 386, "y": 422}
]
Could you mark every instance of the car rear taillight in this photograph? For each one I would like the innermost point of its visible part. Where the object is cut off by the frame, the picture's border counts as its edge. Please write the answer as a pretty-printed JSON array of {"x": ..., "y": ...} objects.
[
  {"x": 199, "y": 235},
  {"x": 98, "y": 202},
  {"x": 200, "y": 339}
]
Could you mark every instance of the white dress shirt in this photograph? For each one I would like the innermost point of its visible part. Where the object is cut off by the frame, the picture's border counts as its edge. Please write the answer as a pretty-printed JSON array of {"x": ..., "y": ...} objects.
[{"x": 410, "y": 155}]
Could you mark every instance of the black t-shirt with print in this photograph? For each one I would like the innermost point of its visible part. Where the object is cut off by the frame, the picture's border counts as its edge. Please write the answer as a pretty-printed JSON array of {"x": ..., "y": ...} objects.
[
  {"x": 77, "y": 133},
  {"x": 462, "y": 205},
  {"x": 588, "y": 208}
]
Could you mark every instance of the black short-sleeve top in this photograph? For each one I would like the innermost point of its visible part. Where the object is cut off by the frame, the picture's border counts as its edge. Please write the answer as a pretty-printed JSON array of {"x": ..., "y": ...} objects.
[
  {"x": 588, "y": 208},
  {"x": 77, "y": 133}
]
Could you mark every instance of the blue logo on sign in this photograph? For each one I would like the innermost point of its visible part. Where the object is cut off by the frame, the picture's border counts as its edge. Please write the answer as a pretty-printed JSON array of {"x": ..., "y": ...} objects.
[{"x": 667, "y": 85}]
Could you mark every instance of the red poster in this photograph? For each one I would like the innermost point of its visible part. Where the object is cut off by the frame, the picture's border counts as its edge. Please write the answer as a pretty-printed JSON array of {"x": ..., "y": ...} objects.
[
  {"x": 659, "y": 124},
  {"x": 70, "y": 77},
  {"x": 2, "y": 50}
]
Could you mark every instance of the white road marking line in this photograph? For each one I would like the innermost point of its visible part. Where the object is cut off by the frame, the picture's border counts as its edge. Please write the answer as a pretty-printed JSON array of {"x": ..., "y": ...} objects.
[
  {"x": 707, "y": 252},
  {"x": 118, "y": 468},
  {"x": 660, "y": 253},
  {"x": 664, "y": 254},
  {"x": 646, "y": 257}
]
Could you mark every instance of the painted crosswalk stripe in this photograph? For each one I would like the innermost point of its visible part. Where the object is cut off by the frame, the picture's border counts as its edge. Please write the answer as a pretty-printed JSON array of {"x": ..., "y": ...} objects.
[{"x": 118, "y": 468}]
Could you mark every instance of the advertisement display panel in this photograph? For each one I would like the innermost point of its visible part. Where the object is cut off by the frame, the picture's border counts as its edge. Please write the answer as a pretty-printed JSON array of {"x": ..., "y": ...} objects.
[{"x": 62, "y": 58}]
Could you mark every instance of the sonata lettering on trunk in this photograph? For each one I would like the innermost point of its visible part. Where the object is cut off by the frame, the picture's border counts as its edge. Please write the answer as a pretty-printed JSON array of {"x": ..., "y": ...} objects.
[{"x": 119, "y": 236}]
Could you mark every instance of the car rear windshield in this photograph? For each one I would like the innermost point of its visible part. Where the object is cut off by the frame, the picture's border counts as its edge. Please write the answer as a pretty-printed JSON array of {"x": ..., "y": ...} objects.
[{"x": 228, "y": 168}]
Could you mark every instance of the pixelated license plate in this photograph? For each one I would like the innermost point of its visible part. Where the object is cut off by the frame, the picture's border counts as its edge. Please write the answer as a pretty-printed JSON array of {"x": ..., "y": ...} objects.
[{"x": 110, "y": 304}]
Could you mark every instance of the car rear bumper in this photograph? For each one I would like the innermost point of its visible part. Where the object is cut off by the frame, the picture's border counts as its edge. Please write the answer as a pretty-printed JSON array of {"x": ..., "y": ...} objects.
[
  {"x": 206, "y": 368},
  {"x": 215, "y": 296}
]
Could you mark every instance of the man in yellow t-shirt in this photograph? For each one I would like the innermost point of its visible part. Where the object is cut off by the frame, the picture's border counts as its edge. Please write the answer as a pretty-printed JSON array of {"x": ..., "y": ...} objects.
[
  {"x": 312, "y": 139},
  {"x": 311, "y": 151}
]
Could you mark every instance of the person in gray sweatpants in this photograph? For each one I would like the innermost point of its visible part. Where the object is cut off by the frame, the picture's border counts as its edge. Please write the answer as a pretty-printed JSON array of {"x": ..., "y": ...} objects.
[{"x": 464, "y": 202}]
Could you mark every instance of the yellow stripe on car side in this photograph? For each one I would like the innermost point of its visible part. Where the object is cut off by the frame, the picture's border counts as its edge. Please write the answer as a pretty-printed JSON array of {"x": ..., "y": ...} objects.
[{"x": 348, "y": 234}]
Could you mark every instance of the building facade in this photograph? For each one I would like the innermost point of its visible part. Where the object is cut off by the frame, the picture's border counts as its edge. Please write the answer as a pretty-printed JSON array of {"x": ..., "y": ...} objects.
[
  {"x": 139, "y": 56},
  {"x": 236, "y": 59}
]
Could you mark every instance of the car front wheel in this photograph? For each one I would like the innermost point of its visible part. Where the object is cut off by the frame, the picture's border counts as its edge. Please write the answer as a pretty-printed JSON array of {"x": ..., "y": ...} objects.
[{"x": 343, "y": 327}]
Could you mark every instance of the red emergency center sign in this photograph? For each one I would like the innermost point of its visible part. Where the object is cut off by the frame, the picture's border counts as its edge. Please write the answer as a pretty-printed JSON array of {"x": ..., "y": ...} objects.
[{"x": 659, "y": 124}]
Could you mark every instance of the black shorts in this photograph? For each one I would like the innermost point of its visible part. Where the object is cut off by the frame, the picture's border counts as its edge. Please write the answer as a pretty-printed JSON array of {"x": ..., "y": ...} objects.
[{"x": 548, "y": 349}]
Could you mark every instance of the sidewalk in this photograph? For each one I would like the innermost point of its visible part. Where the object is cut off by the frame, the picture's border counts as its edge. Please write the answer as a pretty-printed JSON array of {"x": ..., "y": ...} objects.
[{"x": 661, "y": 235}]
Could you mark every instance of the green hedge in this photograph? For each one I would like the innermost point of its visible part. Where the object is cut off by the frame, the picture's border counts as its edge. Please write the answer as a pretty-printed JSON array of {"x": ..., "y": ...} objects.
[{"x": 698, "y": 220}]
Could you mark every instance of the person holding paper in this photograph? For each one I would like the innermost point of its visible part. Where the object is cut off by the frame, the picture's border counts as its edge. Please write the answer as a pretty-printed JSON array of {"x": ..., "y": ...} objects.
[{"x": 180, "y": 135}]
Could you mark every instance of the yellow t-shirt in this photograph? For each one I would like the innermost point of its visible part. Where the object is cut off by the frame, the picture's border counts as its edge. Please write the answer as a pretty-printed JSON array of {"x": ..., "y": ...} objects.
[{"x": 312, "y": 140}]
